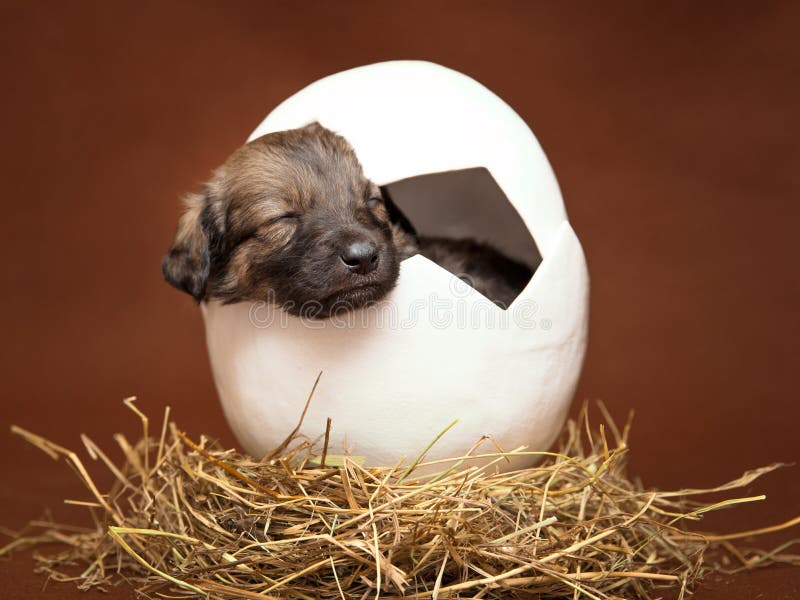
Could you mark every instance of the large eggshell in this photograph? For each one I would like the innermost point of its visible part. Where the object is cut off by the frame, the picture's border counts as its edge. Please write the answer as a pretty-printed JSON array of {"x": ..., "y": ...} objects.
[{"x": 435, "y": 350}]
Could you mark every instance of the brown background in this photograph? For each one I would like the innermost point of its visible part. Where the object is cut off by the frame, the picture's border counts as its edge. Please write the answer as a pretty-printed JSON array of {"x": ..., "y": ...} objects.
[{"x": 673, "y": 130}]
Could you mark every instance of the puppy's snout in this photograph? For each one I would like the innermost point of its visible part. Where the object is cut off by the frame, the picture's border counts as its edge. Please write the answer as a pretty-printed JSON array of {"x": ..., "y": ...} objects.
[{"x": 360, "y": 257}]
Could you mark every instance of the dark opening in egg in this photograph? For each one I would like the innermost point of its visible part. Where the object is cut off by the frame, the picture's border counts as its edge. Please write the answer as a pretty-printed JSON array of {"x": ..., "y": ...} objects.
[{"x": 467, "y": 203}]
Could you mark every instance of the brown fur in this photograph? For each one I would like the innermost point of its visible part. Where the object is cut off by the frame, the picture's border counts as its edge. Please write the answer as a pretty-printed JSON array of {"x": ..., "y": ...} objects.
[
  {"x": 276, "y": 219},
  {"x": 271, "y": 223}
]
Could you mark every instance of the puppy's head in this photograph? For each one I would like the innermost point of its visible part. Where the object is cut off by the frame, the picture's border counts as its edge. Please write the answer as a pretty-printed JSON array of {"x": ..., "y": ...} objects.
[{"x": 291, "y": 219}]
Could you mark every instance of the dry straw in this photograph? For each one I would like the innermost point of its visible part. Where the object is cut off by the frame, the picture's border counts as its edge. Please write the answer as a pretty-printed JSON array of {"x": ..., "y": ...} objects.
[{"x": 190, "y": 519}]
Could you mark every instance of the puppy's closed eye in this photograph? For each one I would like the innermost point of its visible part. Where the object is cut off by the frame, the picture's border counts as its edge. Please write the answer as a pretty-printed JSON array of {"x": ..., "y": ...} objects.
[
  {"x": 284, "y": 218},
  {"x": 273, "y": 230}
]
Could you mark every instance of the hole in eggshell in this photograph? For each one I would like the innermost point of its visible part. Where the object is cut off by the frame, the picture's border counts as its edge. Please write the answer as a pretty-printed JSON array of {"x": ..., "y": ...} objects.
[{"x": 466, "y": 203}]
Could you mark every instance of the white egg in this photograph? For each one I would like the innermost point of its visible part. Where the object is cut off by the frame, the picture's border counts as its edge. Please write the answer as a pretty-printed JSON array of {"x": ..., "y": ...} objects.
[{"x": 435, "y": 350}]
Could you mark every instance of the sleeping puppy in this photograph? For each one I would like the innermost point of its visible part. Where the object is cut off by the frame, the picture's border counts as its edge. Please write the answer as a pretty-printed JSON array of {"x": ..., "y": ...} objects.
[{"x": 291, "y": 219}]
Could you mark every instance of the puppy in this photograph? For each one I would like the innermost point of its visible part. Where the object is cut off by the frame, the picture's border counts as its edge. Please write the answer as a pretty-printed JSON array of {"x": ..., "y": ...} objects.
[{"x": 291, "y": 219}]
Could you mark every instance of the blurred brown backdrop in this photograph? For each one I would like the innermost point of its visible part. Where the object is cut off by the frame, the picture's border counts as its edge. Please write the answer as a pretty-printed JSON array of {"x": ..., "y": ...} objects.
[{"x": 673, "y": 131}]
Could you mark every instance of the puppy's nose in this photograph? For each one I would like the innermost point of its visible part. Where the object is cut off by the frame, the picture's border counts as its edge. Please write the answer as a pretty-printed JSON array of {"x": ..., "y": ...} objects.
[{"x": 360, "y": 257}]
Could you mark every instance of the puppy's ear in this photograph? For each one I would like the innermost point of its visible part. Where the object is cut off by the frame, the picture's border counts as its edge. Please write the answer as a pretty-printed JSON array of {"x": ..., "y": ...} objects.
[{"x": 187, "y": 263}]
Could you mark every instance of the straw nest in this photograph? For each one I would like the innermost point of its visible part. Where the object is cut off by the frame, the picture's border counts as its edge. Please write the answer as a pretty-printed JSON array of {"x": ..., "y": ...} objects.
[{"x": 191, "y": 519}]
